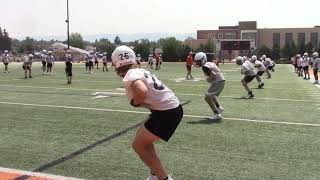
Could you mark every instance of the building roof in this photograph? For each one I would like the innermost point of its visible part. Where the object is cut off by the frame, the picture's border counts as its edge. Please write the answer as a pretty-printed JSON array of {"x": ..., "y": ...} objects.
[{"x": 75, "y": 49}]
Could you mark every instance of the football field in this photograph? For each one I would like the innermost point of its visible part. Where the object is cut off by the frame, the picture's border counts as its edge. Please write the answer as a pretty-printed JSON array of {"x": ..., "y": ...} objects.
[{"x": 84, "y": 130}]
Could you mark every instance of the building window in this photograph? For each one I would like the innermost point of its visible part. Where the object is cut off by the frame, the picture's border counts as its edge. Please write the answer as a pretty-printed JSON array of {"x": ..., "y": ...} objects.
[
  {"x": 276, "y": 39},
  {"x": 314, "y": 40},
  {"x": 220, "y": 35},
  {"x": 301, "y": 38},
  {"x": 210, "y": 36},
  {"x": 249, "y": 35},
  {"x": 289, "y": 38},
  {"x": 230, "y": 35}
]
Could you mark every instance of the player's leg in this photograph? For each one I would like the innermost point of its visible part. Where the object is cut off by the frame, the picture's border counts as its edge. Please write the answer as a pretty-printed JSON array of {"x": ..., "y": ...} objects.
[
  {"x": 30, "y": 72},
  {"x": 260, "y": 82},
  {"x": 268, "y": 73},
  {"x": 245, "y": 81},
  {"x": 25, "y": 72},
  {"x": 211, "y": 97},
  {"x": 144, "y": 147},
  {"x": 315, "y": 74}
]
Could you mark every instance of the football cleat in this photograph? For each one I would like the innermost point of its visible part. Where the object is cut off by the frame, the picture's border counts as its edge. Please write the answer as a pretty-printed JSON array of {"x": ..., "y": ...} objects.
[
  {"x": 216, "y": 117},
  {"x": 220, "y": 109}
]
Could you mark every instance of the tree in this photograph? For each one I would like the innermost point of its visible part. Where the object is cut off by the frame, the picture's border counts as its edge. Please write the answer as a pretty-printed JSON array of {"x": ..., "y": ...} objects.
[
  {"x": 104, "y": 45},
  {"x": 309, "y": 47},
  {"x": 289, "y": 50},
  {"x": 28, "y": 45},
  {"x": 301, "y": 48},
  {"x": 76, "y": 40},
  {"x": 264, "y": 50},
  {"x": 5, "y": 40},
  {"x": 117, "y": 40},
  {"x": 171, "y": 48},
  {"x": 142, "y": 47}
]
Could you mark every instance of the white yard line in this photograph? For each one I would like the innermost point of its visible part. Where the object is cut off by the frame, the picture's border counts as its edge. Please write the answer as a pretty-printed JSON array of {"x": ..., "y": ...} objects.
[
  {"x": 42, "y": 175},
  {"x": 144, "y": 112},
  {"x": 182, "y": 94}
]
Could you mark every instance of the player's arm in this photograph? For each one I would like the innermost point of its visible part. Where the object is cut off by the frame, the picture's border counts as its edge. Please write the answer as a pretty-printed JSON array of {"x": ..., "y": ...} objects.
[{"x": 139, "y": 91}]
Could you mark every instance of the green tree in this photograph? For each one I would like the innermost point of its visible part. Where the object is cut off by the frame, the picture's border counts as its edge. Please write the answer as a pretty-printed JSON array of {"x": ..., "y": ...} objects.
[
  {"x": 117, "y": 40},
  {"x": 171, "y": 48},
  {"x": 289, "y": 50},
  {"x": 5, "y": 40},
  {"x": 264, "y": 50},
  {"x": 76, "y": 40},
  {"x": 28, "y": 45},
  {"x": 104, "y": 45},
  {"x": 142, "y": 47},
  {"x": 301, "y": 48}
]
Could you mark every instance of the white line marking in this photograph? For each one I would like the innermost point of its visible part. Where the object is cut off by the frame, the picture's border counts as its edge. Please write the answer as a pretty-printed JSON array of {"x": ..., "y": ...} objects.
[
  {"x": 42, "y": 175},
  {"x": 182, "y": 94},
  {"x": 100, "y": 96},
  {"x": 144, "y": 112},
  {"x": 107, "y": 93}
]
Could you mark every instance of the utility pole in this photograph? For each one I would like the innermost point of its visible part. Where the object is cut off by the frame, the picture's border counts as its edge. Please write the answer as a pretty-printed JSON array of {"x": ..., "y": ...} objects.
[{"x": 67, "y": 21}]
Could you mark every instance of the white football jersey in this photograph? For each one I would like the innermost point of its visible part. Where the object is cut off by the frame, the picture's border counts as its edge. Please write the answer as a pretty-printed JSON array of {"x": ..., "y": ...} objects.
[
  {"x": 104, "y": 59},
  {"x": 91, "y": 57},
  {"x": 27, "y": 62},
  {"x": 44, "y": 58},
  {"x": 316, "y": 63},
  {"x": 259, "y": 65},
  {"x": 159, "y": 96},
  {"x": 247, "y": 68},
  {"x": 305, "y": 61},
  {"x": 6, "y": 58},
  {"x": 213, "y": 67},
  {"x": 138, "y": 59},
  {"x": 68, "y": 58},
  {"x": 50, "y": 59}
]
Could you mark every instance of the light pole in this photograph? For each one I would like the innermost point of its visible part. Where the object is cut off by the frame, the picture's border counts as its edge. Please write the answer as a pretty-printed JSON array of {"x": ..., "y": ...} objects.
[{"x": 67, "y": 21}]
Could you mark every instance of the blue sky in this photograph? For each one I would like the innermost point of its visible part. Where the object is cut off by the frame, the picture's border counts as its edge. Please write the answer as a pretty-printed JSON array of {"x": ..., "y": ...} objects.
[{"x": 46, "y": 17}]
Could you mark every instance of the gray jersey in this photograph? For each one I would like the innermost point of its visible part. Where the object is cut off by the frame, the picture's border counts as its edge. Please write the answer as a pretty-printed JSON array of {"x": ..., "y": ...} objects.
[
  {"x": 217, "y": 75},
  {"x": 247, "y": 69},
  {"x": 6, "y": 58},
  {"x": 316, "y": 63},
  {"x": 27, "y": 62},
  {"x": 50, "y": 59},
  {"x": 68, "y": 58}
]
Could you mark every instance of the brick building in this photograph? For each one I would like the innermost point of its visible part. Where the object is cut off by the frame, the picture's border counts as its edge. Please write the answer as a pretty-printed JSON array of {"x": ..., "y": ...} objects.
[{"x": 247, "y": 31}]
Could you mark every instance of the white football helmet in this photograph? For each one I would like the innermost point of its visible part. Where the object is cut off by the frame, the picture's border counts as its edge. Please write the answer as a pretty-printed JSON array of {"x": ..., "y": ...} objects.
[
  {"x": 315, "y": 54},
  {"x": 298, "y": 55},
  {"x": 254, "y": 58},
  {"x": 44, "y": 51},
  {"x": 264, "y": 56},
  {"x": 49, "y": 52},
  {"x": 200, "y": 59},
  {"x": 305, "y": 54},
  {"x": 122, "y": 56},
  {"x": 6, "y": 51},
  {"x": 239, "y": 60},
  {"x": 30, "y": 56}
]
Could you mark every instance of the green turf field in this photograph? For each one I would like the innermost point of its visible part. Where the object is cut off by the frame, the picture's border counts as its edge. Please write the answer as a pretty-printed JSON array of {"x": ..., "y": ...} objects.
[{"x": 274, "y": 136}]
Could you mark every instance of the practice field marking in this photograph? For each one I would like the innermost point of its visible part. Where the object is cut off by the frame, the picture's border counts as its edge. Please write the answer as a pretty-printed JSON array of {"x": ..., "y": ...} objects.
[
  {"x": 182, "y": 94},
  {"x": 187, "y": 80},
  {"x": 86, "y": 89},
  {"x": 6, "y": 173},
  {"x": 145, "y": 112}
]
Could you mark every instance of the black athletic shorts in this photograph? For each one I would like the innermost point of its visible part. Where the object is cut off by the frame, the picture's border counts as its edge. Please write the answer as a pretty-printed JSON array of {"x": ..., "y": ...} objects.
[
  {"x": 96, "y": 62},
  {"x": 164, "y": 123},
  {"x": 260, "y": 73},
  {"x": 87, "y": 64},
  {"x": 90, "y": 63},
  {"x": 306, "y": 68},
  {"x": 49, "y": 65},
  {"x": 69, "y": 69},
  {"x": 44, "y": 63},
  {"x": 138, "y": 62},
  {"x": 28, "y": 67},
  {"x": 6, "y": 64},
  {"x": 248, "y": 78},
  {"x": 104, "y": 63}
]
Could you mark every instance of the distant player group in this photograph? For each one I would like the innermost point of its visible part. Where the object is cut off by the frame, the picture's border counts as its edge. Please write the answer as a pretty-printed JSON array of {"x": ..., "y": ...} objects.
[{"x": 301, "y": 65}]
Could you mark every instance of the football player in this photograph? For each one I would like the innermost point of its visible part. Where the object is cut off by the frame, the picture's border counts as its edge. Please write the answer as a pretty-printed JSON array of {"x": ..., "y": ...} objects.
[
  {"x": 96, "y": 60},
  {"x": 6, "y": 60},
  {"x": 138, "y": 59},
  {"x": 299, "y": 64},
  {"x": 44, "y": 60},
  {"x": 105, "y": 61},
  {"x": 50, "y": 62},
  {"x": 157, "y": 57},
  {"x": 91, "y": 59},
  {"x": 216, "y": 80},
  {"x": 68, "y": 60},
  {"x": 247, "y": 69},
  {"x": 305, "y": 62},
  {"x": 150, "y": 61},
  {"x": 266, "y": 62},
  {"x": 316, "y": 67},
  {"x": 143, "y": 89},
  {"x": 260, "y": 68},
  {"x": 27, "y": 64},
  {"x": 189, "y": 63}
]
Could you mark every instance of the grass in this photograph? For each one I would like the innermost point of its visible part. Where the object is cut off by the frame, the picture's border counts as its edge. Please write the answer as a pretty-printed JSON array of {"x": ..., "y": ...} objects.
[{"x": 31, "y": 136}]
